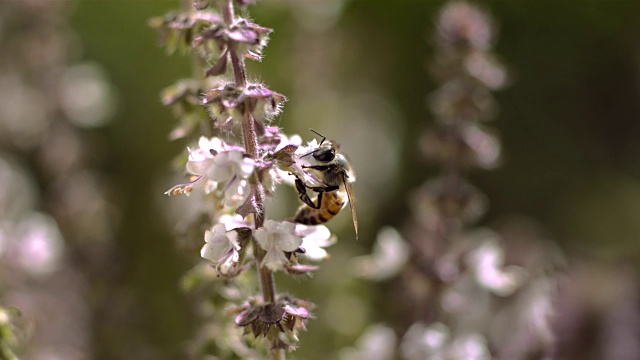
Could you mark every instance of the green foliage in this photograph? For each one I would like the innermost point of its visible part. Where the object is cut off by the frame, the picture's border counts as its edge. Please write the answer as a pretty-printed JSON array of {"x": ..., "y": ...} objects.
[{"x": 8, "y": 338}]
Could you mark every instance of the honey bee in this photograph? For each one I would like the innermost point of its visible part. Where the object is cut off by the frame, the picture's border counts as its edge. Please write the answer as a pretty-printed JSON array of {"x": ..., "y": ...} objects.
[{"x": 335, "y": 176}]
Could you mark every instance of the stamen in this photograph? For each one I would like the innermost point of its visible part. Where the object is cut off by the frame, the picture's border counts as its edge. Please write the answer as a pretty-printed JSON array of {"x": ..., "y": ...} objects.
[{"x": 183, "y": 188}]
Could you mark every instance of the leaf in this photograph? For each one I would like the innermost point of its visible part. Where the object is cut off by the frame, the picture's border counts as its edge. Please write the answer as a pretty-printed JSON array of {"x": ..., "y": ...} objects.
[
  {"x": 284, "y": 156},
  {"x": 220, "y": 67},
  {"x": 249, "y": 206},
  {"x": 248, "y": 316}
]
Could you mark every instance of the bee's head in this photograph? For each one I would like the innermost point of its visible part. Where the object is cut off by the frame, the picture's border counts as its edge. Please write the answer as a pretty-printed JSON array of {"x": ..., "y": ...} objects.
[{"x": 326, "y": 152}]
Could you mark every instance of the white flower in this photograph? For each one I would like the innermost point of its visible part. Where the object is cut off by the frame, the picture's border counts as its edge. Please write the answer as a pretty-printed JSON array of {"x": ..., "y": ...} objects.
[
  {"x": 215, "y": 162},
  {"x": 229, "y": 165},
  {"x": 314, "y": 239},
  {"x": 214, "y": 143},
  {"x": 285, "y": 141},
  {"x": 232, "y": 221},
  {"x": 289, "y": 174},
  {"x": 311, "y": 146},
  {"x": 270, "y": 180},
  {"x": 220, "y": 245},
  {"x": 276, "y": 238},
  {"x": 201, "y": 160},
  {"x": 235, "y": 192}
]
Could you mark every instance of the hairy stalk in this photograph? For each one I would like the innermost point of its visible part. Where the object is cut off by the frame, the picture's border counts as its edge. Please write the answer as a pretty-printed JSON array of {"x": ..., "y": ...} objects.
[{"x": 250, "y": 139}]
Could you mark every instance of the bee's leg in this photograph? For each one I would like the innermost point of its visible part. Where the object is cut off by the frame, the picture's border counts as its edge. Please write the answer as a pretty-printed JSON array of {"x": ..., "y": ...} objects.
[
  {"x": 317, "y": 167},
  {"x": 322, "y": 189},
  {"x": 302, "y": 190}
]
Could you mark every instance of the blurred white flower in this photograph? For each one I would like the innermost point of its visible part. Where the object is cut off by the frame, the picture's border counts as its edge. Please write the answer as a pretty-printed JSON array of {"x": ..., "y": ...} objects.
[
  {"x": 472, "y": 346},
  {"x": 376, "y": 343},
  {"x": 220, "y": 245},
  {"x": 487, "y": 262},
  {"x": 437, "y": 342},
  {"x": 486, "y": 68},
  {"x": 18, "y": 191},
  {"x": 86, "y": 96},
  {"x": 276, "y": 238},
  {"x": 23, "y": 122},
  {"x": 425, "y": 342},
  {"x": 390, "y": 253},
  {"x": 460, "y": 21},
  {"x": 466, "y": 298},
  {"x": 314, "y": 240},
  {"x": 40, "y": 244}
]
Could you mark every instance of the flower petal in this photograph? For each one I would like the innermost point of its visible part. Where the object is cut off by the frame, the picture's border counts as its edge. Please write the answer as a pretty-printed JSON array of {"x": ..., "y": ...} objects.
[
  {"x": 288, "y": 242},
  {"x": 262, "y": 236},
  {"x": 213, "y": 252},
  {"x": 218, "y": 243},
  {"x": 274, "y": 259},
  {"x": 199, "y": 167}
]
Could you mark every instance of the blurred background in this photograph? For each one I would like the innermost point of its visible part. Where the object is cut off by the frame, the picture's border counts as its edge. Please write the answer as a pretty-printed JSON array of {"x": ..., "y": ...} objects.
[{"x": 356, "y": 71}]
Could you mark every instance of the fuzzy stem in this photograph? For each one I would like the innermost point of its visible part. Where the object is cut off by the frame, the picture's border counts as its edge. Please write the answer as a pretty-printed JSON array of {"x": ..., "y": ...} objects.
[{"x": 250, "y": 139}]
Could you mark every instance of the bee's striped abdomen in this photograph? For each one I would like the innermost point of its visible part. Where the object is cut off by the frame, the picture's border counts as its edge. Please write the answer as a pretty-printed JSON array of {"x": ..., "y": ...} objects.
[{"x": 332, "y": 203}]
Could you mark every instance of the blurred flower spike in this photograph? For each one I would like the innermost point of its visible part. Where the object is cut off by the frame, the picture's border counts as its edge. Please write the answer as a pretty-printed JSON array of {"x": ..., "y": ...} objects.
[
  {"x": 463, "y": 24},
  {"x": 469, "y": 298}
]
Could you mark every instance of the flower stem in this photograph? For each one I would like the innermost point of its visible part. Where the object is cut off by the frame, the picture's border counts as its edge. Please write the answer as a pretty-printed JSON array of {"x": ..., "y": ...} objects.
[{"x": 250, "y": 139}]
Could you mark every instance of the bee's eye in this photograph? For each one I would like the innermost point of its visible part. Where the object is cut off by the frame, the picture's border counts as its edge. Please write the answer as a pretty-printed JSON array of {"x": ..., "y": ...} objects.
[{"x": 325, "y": 156}]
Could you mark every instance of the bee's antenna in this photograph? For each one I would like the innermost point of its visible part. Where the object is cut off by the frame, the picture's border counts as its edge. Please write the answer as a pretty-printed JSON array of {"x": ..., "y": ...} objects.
[
  {"x": 309, "y": 153},
  {"x": 317, "y": 133}
]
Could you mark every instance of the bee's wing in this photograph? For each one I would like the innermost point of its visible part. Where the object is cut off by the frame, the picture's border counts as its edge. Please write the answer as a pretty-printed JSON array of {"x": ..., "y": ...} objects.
[{"x": 349, "y": 189}]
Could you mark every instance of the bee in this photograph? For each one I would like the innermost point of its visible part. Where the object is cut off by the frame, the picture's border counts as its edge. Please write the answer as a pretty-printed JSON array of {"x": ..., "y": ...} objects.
[{"x": 335, "y": 176}]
